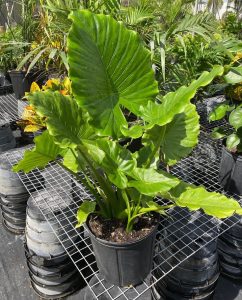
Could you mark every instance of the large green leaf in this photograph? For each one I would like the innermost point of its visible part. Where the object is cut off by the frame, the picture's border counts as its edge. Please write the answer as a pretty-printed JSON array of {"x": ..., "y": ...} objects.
[
  {"x": 235, "y": 118},
  {"x": 234, "y": 75},
  {"x": 176, "y": 139},
  {"x": 212, "y": 203},
  {"x": 151, "y": 182},
  {"x": 109, "y": 68},
  {"x": 45, "y": 151},
  {"x": 175, "y": 102},
  {"x": 219, "y": 112},
  {"x": 64, "y": 119},
  {"x": 113, "y": 159},
  {"x": 180, "y": 136}
]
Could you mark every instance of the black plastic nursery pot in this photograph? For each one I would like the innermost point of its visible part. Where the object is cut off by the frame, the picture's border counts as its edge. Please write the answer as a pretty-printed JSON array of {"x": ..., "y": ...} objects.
[
  {"x": 124, "y": 264},
  {"x": 230, "y": 173},
  {"x": 21, "y": 82}
]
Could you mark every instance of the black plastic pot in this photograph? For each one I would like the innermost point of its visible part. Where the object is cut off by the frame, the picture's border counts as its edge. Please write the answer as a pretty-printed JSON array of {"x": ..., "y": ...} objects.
[
  {"x": 46, "y": 262},
  {"x": 22, "y": 81},
  {"x": 7, "y": 140},
  {"x": 230, "y": 251},
  {"x": 230, "y": 172},
  {"x": 12, "y": 227},
  {"x": 124, "y": 264},
  {"x": 56, "y": 291},
  {"x": 196, "y": 277},
  {"x": 99, "y": 287}
]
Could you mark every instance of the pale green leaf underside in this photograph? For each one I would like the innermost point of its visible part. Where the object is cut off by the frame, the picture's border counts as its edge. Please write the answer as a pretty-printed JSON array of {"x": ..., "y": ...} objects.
[
  {"x": 234, "y": 75},
  {"x": 109, "y": 68},
  {"x": 235, "y": 118},
  {"x": 212, "y": 203}
]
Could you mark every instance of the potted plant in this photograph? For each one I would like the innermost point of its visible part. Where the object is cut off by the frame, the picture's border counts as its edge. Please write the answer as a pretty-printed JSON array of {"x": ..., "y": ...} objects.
[
  {"x": 86, "y": 128},
  {"x": 231, "y": 110}
]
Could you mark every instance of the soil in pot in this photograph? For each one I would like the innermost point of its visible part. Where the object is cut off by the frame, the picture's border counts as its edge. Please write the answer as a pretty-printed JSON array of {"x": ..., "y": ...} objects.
[
  {"x": 230, "y": 172},
  {"x": 123, "y": 259}
]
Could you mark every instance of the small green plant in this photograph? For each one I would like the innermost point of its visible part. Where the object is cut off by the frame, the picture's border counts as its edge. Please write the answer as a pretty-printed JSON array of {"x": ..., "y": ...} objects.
[{"x": 110, "y": 78}]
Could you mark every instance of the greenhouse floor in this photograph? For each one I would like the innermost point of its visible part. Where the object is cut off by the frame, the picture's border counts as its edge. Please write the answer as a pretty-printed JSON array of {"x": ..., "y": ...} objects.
[{"x": 15, "y": 284}]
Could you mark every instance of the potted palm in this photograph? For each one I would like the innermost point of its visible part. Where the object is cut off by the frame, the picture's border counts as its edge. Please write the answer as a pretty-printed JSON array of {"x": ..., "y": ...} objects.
[{"x": 111, "y": 72}]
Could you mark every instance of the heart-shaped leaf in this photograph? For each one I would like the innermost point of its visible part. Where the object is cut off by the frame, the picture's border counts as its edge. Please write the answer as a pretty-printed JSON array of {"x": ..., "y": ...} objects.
[{"x": 109, "y": 68}]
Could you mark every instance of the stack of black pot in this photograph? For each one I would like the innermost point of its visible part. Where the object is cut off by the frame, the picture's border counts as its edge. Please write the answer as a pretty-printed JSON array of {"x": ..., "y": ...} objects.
[
  {"x": 13, "y": 198},
  {"x": 230, "y": 250},
  {"x": 197, "y": 275},
  {"x": 51, "y": 271},
  {"x": 7, "y": 140}
]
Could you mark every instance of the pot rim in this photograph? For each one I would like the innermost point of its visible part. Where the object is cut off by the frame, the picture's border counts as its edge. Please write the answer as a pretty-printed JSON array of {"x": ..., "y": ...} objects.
[{"x": 121, "y": 245}]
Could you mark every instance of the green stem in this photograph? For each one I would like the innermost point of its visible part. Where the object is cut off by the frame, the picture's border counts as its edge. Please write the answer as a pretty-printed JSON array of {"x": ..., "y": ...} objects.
[
  {"x": 86, "y": 184},
  {"x": 107, "y": 189},
  {"x": 126, "y": 199}
]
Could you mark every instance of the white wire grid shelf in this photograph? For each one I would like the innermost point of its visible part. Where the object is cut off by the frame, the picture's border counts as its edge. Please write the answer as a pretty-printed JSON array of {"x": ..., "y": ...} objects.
[
  {"x": 204, "y": 108},
  {"x": 180, "y": 234},
  {"x": 11, "y": 109}
]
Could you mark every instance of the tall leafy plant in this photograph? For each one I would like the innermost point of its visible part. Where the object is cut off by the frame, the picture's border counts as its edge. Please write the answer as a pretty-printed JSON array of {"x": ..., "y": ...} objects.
[{"x": 111, "y": 74}]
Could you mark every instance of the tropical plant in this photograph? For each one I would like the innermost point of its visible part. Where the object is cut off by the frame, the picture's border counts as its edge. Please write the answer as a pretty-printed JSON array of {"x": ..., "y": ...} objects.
[
  {"x": 231, "y": 108},
  {"x": 30, "y": 121},
  {"x": 86, "y": 130},
  {"x": 232, "y": 24},
  {"x": 11, "y": 51},
  {"x": 233, "y": 137}
]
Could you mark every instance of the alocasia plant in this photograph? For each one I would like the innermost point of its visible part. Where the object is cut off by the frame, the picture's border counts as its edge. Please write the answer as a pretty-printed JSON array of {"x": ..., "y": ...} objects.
[{"x": 111, "y": 74}]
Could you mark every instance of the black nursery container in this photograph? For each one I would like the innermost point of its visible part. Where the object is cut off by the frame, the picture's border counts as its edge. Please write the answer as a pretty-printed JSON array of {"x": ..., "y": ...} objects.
[
  {"x": 124, "y": 264},
  {"x": 230, "y": 250},
  {"x": 197, "y": 275},
  {"x": 230, "y": 173},
  {"x": 21, "y": 82},
  {"x": 7, "y": 140}
]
